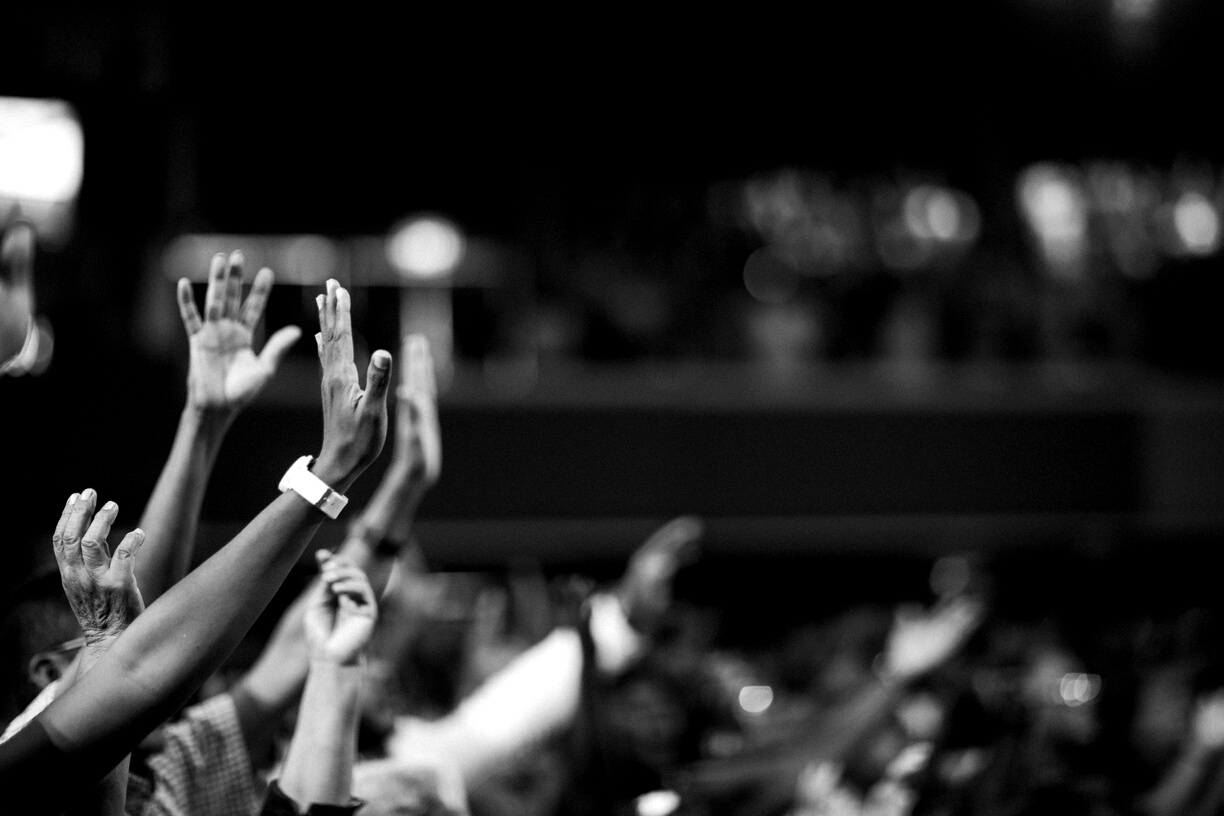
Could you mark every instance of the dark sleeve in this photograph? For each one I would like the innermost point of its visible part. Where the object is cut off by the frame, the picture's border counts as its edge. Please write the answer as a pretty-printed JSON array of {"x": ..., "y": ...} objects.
[
  {"x": 26, "y": 762},
  {"x": 278, "y": 804}
]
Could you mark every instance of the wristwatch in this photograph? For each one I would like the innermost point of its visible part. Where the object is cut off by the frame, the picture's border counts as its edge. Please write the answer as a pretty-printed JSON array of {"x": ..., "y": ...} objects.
[{"x": 310, "y": 487}]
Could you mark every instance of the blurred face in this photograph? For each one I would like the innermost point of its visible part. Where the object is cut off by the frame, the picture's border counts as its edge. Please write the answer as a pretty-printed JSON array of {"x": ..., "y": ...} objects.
[{"x": 648, "y": 721}]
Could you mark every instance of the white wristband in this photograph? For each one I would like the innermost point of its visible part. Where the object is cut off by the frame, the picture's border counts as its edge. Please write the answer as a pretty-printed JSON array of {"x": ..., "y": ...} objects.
[{"x": 310, "y": 487}]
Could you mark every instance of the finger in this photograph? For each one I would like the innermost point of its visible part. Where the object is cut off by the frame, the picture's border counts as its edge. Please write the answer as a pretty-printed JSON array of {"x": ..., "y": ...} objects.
[
  {"x": 187, "y": 307},
  {"x": 329, "y": 307},
  {"x": 323, "y": 556},
  {"x": 378, "y": 379},
  {"x": 319, "y": 341},
  {"x": 278, "y": 346},
  {"x": 257, "y": 300},
  {"x": 18, "y": 254},
  {"x": 356, "y": 591},
  {"x": 78, "y": 521},
  {"x": 419, "y": 377},
  {"x": 124, "y": 562},
  {"x": 333, "y": 572},
  {"x": 57, "y": 539},
  {"x": 94, "y": 552},
  {"x": 233, "y": 285},
  {"x": 214, "y": 295},
  {"x": 344, "y": 317}
]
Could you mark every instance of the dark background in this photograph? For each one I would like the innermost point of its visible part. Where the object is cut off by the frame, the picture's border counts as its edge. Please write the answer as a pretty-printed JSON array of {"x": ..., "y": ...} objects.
[{"x": 561, "y": 134}]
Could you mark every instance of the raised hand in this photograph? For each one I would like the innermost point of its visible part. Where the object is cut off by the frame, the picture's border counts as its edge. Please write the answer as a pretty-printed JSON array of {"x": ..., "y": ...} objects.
[
  {"x": 1208, "y": 728},
  {"x": 645, "y": 588},
  {"x": 225, "y": 373},
  {"x": 354, "y": 421},
  {"x": 920, "y": 641},
  {"x": 418, "y": 437},
  {"x": 341, "y": 612},
  {"x": 101, "y": 588}
]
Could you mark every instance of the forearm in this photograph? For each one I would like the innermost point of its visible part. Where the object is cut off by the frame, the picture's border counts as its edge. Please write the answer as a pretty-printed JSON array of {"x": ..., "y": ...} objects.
[
  {"x": 1178, "y": 787},
  {"x": 170, "y": 518},
  {"x": 110, "y": 795},
  {"x": 149, "y": 672},
  {"x": 319, "y": 764}
]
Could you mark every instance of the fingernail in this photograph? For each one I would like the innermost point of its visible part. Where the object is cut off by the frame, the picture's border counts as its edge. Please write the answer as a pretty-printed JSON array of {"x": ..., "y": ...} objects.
[
  {"x": 73, "y": 498},
  {"x": 110, "y": 507},
  {"x": 319, "y": 301},
  {"x": 87, "y": 494},
  {"x": 382, "y": 360}
]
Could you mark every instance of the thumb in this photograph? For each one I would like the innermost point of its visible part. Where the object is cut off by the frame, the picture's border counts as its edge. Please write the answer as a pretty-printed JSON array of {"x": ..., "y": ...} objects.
[
  {"x": 378, "y": 377},
  {"x": 278, "y": 345}
]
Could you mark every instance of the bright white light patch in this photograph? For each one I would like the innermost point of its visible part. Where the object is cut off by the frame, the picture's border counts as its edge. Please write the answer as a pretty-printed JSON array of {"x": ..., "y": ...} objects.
[
  {"x": 658, "y": 803},
  {"x": 42, "y": 150},
  {"x": 1197, "y": 223},
  {"x": 426, "y": 247},
  {"x": 755, "y": 699}
]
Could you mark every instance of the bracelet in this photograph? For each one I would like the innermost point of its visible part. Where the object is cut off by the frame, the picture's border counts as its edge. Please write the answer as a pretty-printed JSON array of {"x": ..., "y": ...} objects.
[{"x": 310, "y": 487}]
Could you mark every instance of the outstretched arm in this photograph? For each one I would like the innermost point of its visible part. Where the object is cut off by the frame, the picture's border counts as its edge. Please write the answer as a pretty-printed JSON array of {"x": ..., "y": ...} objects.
[
  {"x": 339, "y": 622},
  {"x": 224, "y": 376},
  {"x": 373, "y": 544},
  {"x": 103, "y": 594},
  {"x": 154, "y": 666}
]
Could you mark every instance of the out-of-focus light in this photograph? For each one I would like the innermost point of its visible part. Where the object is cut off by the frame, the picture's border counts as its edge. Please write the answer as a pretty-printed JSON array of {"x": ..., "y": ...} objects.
[
  {"x": 933, "y": 213},
  {"x": 42, "y": 150},
  {"x": 1075, "y": 689},
  {"x": 756, "y": 699},
  {"x": 42, "y": 162},
  {"x": 1134, "y": 11},
  {"x": 425, "y": 247},
  {"x": 658, "y": 803},
  {"x": 308, "y": 258},
  {"x": 1056, "y": 209},
  {"x": 1197, "y": 223}
]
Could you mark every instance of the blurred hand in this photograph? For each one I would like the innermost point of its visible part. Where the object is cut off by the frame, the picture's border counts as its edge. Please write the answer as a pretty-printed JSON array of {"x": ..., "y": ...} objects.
[
  {"x": 16, "y": 288},
  {"x": 921, "y": 641},
  {"x": 225, "y": 373},
  {"x": 101, "y": 588},
  {"x": 645, "y": 590},
  {"x": 354, "y": 421},
  {"x": 418, "y": 439},
  {"x": 1208, "y": 729},
  {"x": 341, "y": 612}
]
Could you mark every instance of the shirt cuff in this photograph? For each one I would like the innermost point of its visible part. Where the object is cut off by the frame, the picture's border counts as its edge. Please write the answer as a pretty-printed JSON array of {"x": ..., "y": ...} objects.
[{"x": 277, "y": 803}]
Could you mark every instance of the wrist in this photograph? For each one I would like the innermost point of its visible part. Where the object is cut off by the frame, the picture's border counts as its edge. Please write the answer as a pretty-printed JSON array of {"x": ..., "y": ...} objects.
[
  {"x": 333, "y": 472},
  {"x": 212, "y": 423}
]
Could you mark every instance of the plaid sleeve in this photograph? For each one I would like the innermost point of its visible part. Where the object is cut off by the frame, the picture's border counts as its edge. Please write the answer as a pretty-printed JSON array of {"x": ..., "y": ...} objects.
[{"x": 202, "y": 770}]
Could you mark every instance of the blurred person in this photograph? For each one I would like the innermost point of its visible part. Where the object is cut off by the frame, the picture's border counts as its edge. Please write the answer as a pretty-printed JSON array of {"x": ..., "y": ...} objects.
[
  {"x": 165, "y": 654},
  {"x": 196, "y": 763},
  {"x": 317, "y": 774},
  {"x": 866, "y": 728},
  {"x": 540, "y": 693}
]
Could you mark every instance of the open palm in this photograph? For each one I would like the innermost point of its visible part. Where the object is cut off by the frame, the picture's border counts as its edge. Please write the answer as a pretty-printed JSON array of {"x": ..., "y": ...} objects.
[{"x": 225, "y": 372}]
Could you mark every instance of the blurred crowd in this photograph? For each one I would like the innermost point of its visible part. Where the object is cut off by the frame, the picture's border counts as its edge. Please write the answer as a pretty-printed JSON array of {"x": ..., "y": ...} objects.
[{"x": 386, "y": 687}]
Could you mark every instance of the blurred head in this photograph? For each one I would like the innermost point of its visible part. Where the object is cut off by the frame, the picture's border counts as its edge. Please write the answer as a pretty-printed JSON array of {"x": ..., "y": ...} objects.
[{"x": 40, "y": 638}]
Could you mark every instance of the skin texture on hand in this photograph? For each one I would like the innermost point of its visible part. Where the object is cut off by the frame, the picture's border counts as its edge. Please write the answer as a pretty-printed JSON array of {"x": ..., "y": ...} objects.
[
  {"x": 101, "y": 588},
  {"x": 225, "y": 372},
  {"x": 341, "y": 613},
  {"x": 354, "y": 421}
]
